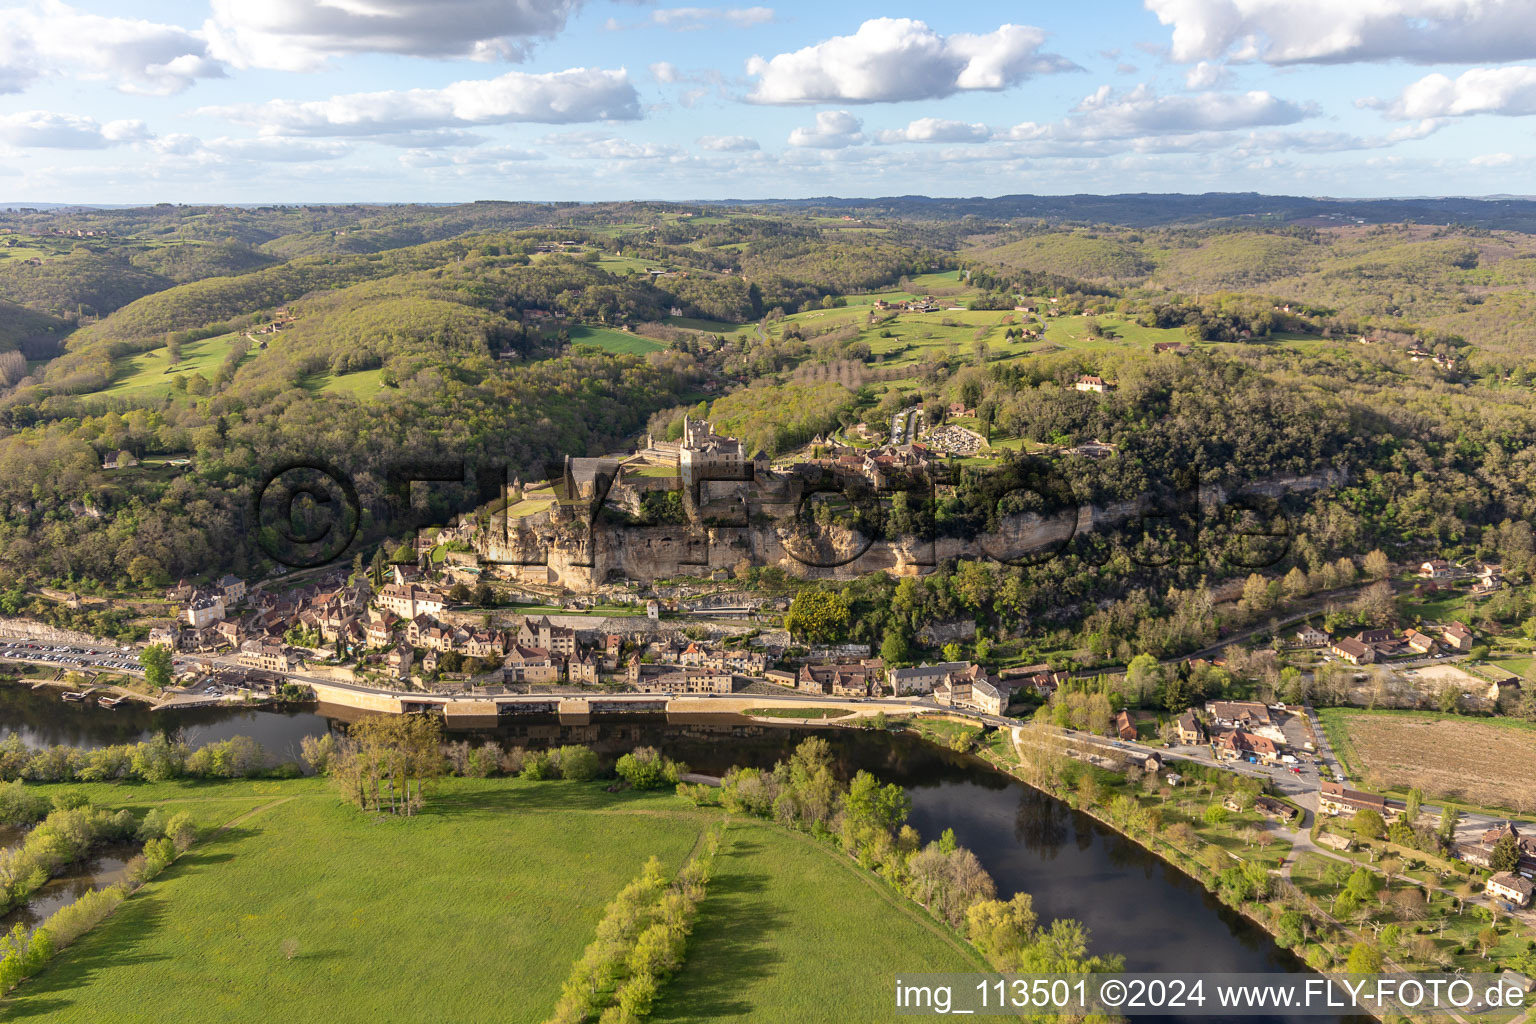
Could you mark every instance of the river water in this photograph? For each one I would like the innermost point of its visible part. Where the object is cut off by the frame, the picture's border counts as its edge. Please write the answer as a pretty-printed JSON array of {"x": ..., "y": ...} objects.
[{"x": 1133, "y": 903}]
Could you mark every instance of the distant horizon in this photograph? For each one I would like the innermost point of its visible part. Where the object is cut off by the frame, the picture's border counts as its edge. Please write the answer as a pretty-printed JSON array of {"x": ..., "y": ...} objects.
[{"x": 14, "y": 206}]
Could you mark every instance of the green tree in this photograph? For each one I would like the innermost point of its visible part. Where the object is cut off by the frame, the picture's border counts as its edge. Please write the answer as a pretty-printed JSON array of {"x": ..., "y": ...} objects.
[
  {"x": 1506, "y": 853},
  {"x": 817, "y": 616},
  {"x": 893, "y": 649},
  {"x": 1364, "y": 958},
  {"x": 1413, "y": 805},
  {"x": 156, "y": 660},
  {"x": 1377, "y": 567},
  {"x": 1368, "y": 824}
]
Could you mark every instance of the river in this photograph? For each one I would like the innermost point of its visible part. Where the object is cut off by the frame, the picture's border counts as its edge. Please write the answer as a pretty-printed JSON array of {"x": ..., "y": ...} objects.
[{"x": 1133, "y": 903}]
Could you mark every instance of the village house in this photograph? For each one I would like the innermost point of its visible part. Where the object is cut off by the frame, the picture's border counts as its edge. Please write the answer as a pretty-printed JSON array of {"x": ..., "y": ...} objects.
[
  {"x": 399, "y": 661},
  {"x": 265, "y": 655},
  {"x": 204, "y": 610},
  {"x": 781, "y": 677},
  {"x": 1089, "y": 382},
  {"x": 529, "y": 665},
  {"x": 380, "y": 630},
  {"x": 1353, "y": 651},
  {"x": 1489, "y": 578},
  {"x": 613, "y": 648},
  {"x": 1418, "y": 642},
  {"x": 232, "y": 589},
  {"x": 119, "y": 460},
  {"x": 1311, "y": 636},
  {"x": 972, "y": 688},
  {"x": 1436, "y": 569},
  {"x": 429, "y": 663},
  {"x": 1039, "y": 678},
  {"x": 687, "y": 680},
  {"x": 921, "y": 678},
  {"x": 409, "y": 600},
  {"x": 166, "y": 636},
  {"x": 544, "y": 634},
  {"x": 1516, "y": 889},
  {"x": 1249, "y": 715},
  {"x": 857, "y": 679},
  {"x": 1334, "y": 799},
  {"x": 1191, "y": 732},
  {"x": 1124, "y": 727},
  {"x": 229, "y": 632},
  {"x": 582, "y": 668},
  {"x": 1276, "y": 810},
  {"x": 1458, "y": 637},
  {"x": 1238, "y": 745}
]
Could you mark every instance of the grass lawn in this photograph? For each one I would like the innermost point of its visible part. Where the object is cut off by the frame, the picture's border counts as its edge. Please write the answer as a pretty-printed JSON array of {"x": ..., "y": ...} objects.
[
  {"x": 707, "y": 326},
  {"x": 789, "y": 932},
  {"x": 798, "y": 712},
  {"x": 472, "y": 911},
  {"x": 614, "y": 341},
  {"x": 363, "y": 385},
  {"x": 150, "y": 373}
]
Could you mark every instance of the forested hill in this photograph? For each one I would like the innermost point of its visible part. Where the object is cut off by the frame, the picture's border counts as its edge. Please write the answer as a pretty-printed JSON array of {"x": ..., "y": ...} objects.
[
  {"x": 1143, "y": 209},
  {"x": 212, "y": 342}
]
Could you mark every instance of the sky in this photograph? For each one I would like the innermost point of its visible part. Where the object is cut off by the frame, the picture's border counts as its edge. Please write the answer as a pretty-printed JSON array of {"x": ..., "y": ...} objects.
[{"x": 253, "y": 101}]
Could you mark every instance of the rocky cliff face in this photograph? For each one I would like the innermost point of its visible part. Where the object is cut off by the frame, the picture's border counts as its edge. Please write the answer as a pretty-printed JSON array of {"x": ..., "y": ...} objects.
[{"x": 581, "y": 553}]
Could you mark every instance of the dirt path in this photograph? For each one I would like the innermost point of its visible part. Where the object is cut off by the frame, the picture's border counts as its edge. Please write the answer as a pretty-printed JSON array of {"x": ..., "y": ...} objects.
[{"x": 242, "y": 818}]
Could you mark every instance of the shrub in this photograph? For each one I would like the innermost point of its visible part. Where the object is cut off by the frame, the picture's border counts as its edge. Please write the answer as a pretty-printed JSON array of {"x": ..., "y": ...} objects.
[
  {"x": 576, "y": 762},
  {"x": 648, "y": 768}
]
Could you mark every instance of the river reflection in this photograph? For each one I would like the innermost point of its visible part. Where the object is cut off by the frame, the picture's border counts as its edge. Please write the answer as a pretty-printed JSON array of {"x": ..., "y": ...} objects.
[{"x": 1133, "y": 903}]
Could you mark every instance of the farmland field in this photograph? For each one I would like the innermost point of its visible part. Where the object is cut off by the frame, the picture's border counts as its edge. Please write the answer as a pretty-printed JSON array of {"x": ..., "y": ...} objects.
[
  {"x": 614, "y": 341},
  {"x": 483, "y": 901},
  {"x": 151, "y": 373},
  {"x": 1484, "y": 762}
]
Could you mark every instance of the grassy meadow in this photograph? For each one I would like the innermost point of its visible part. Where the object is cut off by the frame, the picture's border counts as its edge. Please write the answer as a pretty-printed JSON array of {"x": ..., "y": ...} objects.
[
  {"x": 150, "y": 374},
  {"x": 472, "y": 911}
]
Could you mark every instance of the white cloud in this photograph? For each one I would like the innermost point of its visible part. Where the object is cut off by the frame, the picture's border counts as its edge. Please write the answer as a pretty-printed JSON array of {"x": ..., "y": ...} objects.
[
  {"x": 835, "y": 129},
  {"x": 485, "y": 156},
  {"x": 601, "y": 146},
  {"x": 891, "y": 59},
  {"x": 299, "y": 35},
  {"x": 1107, "y": 114},
  {"x": 559, "y": 97},
  {"x": 728, "y": 143},
  {"x": 666, "y": 72},
  {"x": 1335, "y": 31},
  {"x": 137, "y": 56},
  {"x": 43, "y": 129},
  {"x": 1493, "y": 160},
  {"x": 277, "y": 149},
  {"x": 933, "y": 129},
  {"x": 1206, "y": 75},
  {"x": 1508, "y": 90},
  {"x": 690, "y": 18}
]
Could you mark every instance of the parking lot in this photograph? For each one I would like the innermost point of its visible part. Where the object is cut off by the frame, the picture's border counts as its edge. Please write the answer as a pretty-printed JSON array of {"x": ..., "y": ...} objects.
[{"x": 69, "y": 657}]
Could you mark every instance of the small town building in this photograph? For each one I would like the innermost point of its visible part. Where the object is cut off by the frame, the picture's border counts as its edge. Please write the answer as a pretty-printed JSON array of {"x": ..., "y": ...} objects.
[
  {"x": 1353, "y": 651},
  {"x": 1517, "y": 889},
  {"x": 1191, "y": 732},
  {"x": 1334, "y": 799}
]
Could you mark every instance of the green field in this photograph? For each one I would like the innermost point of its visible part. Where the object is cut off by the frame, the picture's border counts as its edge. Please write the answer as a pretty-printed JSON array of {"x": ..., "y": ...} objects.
[
  {"x": 807, "y": 713},
  {"x": 362, "y": 385},
  {"x": 151, "y": 373},
  {"x": 614, "y": 341},
  {"x": 472, "y": 911}
]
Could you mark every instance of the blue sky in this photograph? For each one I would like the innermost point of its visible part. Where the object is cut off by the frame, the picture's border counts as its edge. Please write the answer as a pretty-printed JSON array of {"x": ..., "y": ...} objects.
[{"x": 451, "y": 100}]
